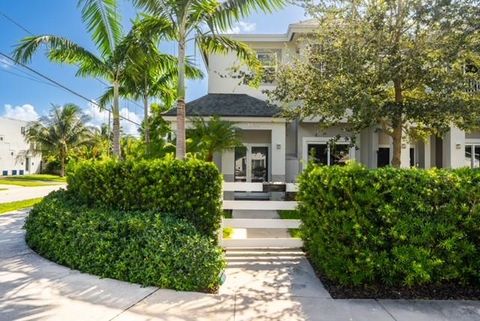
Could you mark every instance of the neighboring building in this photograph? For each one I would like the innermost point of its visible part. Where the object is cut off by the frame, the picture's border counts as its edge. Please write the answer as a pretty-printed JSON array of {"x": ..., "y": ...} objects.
[
  {"x": 276, "y": 149},
  {"x": 17, "y": 157}
]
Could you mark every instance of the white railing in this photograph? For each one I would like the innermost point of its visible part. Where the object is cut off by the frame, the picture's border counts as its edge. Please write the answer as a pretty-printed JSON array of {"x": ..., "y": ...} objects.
[{"x": 248, "y": 223}]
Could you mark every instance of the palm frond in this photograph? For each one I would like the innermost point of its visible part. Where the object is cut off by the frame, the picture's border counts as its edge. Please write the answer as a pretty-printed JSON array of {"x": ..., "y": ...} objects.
[
  {"x": 61, "y": 50},
  {"x": 103, "y": 22}
]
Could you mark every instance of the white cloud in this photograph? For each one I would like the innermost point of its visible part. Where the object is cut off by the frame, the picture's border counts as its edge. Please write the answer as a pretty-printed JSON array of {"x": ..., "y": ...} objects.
[
  {"x": 99, "y": 117},
  {"x": 247, "y": 26},
  {"x": 242, "y": 27},
  {"x": 4, "y": 63},
  {"x": 24, "y": 112}
]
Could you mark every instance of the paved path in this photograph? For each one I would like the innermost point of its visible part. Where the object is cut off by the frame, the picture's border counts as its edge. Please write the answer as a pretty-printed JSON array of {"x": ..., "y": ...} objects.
[
  {"x": 14, "y": 193},
  {"x": 261, "y": 285}
]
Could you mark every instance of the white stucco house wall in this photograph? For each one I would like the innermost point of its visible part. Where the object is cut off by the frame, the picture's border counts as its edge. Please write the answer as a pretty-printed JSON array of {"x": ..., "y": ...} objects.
[
  {"x": 277, "y": 149},
  {"x": 17, "y": 157}
]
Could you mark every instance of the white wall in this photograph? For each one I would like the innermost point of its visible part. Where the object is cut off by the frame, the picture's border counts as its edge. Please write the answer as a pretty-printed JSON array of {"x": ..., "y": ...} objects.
[
  {"x": 14, "y": 150},
  {"x": 220, "y": 78}
]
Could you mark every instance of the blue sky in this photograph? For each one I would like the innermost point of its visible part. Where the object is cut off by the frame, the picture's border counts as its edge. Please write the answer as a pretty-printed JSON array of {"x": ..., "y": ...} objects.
[{"x": 25, "y": 98}]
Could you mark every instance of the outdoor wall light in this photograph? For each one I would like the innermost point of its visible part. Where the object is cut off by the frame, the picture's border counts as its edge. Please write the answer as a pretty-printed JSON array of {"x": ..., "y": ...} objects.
[
  {"x": 404, "y": 146},
  {"x": 279, "y": 146},
  {"x": 458, "y": 146}
]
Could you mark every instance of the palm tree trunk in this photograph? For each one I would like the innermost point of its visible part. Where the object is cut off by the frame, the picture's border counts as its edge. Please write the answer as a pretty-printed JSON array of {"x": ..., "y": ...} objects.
[
  {"x": 397, "y": 125},
  {"x": 116, "y": 121},
  {"x": 62, "y": 166},
  {"x": 180, "y": 148},
  {"x": 146, "y": 124}
]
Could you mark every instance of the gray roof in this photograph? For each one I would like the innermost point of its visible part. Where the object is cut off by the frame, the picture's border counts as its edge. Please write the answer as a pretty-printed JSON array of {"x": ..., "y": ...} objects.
[{"x": 232, "y": 105}]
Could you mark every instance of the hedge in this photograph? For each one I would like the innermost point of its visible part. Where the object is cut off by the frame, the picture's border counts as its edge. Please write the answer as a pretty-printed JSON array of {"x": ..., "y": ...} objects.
[
  {"x": 186, "y": 189},
  {"x": 141, "y": 247},
  {"x": 392, "y": 226}
]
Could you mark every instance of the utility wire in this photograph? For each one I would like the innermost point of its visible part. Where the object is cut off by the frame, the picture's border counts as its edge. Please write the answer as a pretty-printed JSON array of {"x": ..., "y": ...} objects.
[
  {"x": 16, "y": 23},
  {"x": 29, "y": 78},
  {"x": 62, "y": 86}
]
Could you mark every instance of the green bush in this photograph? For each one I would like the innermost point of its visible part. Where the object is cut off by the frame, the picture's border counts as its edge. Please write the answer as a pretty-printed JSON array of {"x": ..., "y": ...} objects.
[
  {"x": 392, "y": 226},
  {"x": 141, "y": 247},
  {"x": 185, "y": 189}
]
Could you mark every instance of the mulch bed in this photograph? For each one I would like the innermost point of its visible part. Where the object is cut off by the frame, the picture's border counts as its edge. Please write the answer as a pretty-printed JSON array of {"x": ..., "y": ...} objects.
[{"x": 447, "y": 291}]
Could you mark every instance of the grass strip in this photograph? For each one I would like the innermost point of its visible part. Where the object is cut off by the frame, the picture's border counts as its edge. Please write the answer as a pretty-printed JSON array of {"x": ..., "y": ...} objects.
[{"x": 18, "y": 205}]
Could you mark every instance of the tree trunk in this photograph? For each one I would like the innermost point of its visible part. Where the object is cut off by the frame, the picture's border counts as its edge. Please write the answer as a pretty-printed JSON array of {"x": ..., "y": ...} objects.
[
  {"x": 146, "y": 124},
  {"x": 397, "y": 146},
  {"x": 62, "y": 165},
  {"x": 116, "y": 121},
  {"x": 397, "y": 124},
  {"x": 180, "y": 148}
]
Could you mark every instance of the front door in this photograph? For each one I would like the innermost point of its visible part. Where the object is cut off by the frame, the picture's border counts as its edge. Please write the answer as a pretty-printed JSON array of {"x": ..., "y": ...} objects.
[{"x": 252, "y": 163}]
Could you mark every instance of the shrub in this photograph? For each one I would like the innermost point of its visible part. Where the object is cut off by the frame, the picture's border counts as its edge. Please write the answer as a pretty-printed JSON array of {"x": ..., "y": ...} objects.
[
  {"x": 392, "y": 226},
  {"x": 186, "y": 189},
  {"x": 141, "y": 247}
]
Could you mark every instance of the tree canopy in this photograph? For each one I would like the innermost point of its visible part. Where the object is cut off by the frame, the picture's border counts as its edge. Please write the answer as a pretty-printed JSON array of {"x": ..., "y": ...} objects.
[{"x": 408, "y": 67}]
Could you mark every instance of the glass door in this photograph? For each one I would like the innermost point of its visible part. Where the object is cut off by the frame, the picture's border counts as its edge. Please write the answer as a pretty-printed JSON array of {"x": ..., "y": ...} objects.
[
  {"x": 259, "y": 164},
  {"x": 240, "y": 164},
  {"x": 251, "y": 164}
]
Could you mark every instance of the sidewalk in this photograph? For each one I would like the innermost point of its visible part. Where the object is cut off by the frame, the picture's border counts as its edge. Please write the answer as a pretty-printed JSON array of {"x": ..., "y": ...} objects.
[
  {"x": 14, "y": 193},
  {"x": 260, "y": 285}
]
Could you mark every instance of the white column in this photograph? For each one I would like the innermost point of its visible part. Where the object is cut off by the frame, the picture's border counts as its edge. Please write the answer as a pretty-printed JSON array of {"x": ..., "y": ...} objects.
[
  {"x": 228, "y": 165},
  {"x": 405, "y": 155},
  {"x": 278, "y": 152},
  {"x": 454, "y": 148},
  {"x": 427, "y": 153}
]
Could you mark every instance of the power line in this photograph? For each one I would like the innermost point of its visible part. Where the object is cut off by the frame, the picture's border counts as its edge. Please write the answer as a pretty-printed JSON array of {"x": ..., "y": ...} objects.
[
  {"x": 29, "y": 78},
  {"x": 63, "y": 86},
  {"x": 19, "y": 25}
]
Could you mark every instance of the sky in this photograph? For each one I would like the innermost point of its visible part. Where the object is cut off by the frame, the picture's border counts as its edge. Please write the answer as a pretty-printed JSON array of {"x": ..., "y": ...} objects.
[{"x": 26, "y": 96}]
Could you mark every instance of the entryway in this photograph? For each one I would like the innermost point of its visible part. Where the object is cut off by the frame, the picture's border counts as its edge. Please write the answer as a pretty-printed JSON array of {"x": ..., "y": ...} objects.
[{"x": 267, "y": 229}]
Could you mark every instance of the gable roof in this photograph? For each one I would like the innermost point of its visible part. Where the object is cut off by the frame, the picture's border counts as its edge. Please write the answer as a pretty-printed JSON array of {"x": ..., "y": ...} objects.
[{"x": 230, "y": 105}]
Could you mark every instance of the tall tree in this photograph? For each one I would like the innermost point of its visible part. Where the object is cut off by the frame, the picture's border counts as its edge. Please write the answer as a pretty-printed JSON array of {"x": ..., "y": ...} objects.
[
  {"x": 104, "y": 24},
  {"x": 213, "y": 135},
  {"x": 59, "y": 132},
  {"x": 202, "y": 20},
  {"x": 408, "y": 66}
]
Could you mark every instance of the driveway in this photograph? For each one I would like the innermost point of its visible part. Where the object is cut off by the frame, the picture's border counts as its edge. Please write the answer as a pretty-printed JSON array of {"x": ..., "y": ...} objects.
[
  {"x": 260, "y": 285},
  {"x": 14, "y": 193}
]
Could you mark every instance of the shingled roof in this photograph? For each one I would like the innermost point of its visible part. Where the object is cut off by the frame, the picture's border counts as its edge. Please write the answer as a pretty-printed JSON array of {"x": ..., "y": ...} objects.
[{"x": 231, "y": 105}]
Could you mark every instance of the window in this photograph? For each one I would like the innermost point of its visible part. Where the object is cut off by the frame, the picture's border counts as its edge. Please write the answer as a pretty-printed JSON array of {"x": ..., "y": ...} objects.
[
  {"x": 472, "y": 155},
  {"x": 22, "y": 130},
  {"x": 473, "y": 85},
  {"x": 269, "y": 60},
  {"x": 1, "y": 138},
  {"x": 328, "y": 154},
  {"x": 383, "y": 157}
]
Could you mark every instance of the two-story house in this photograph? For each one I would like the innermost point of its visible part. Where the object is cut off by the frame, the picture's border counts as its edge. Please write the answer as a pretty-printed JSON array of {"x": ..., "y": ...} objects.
[
  {"x": 277, "y": 149},
  {"x": 17, "y": 157}
]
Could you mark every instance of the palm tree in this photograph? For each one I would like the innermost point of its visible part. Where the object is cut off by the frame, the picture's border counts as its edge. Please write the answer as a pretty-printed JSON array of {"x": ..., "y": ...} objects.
[
  {"x": 103, "y": 22},
  {"x": 203, "y": 19},
  {"x": 59, "y": 132},
  {"x": 214, "y": 135},
  {"x": 148, "y": 78}
]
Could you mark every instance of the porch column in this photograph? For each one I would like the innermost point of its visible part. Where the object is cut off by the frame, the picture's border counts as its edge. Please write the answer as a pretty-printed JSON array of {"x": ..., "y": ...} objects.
[
  {"x": 278, "y": 152},
  {"x": 454, "y": 148},
  {"x": 427, "y": 149},
  {"x": 228, "y": 165},
  {"x": 405, "y": 156}
]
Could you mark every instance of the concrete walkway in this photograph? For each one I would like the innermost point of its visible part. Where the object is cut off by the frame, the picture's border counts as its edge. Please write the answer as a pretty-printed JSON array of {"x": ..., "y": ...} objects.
[
  {"x": 14, "y": 193},
  {"x": 261, "y": 285}
]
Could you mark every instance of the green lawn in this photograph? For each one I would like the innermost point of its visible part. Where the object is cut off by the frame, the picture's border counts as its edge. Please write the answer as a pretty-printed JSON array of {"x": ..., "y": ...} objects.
[
  {"x": 32, "y": 180},
  {"x": 18, "y": 205},
  {"x": 291, "y": 215}
]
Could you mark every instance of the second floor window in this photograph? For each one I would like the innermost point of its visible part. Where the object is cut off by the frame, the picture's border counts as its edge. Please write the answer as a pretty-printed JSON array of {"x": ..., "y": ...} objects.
[{"x": 269, "y": 59}]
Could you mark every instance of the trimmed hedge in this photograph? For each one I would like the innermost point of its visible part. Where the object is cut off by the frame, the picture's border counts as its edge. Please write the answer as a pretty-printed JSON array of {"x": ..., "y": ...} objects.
[
  {"x": 186, "y": 189},
  {"x": 141, "y": 247},
  {"x": 392, "y": 226}
]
